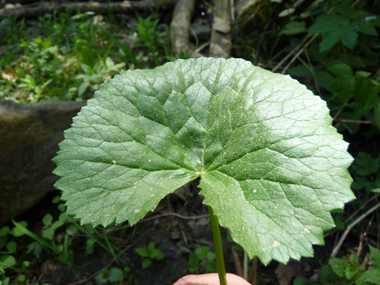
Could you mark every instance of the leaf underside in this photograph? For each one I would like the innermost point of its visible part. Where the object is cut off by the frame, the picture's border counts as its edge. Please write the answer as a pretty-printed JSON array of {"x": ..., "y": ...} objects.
[{"x": 271, "y": 165}]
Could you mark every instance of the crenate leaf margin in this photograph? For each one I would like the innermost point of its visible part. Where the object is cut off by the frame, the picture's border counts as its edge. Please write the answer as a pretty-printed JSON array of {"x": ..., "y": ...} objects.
[{"x": 271, "y": 165}]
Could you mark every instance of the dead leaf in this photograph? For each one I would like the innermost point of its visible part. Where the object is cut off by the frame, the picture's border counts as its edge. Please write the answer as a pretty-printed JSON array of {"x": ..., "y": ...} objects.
[{"x": 8, "y": 74}]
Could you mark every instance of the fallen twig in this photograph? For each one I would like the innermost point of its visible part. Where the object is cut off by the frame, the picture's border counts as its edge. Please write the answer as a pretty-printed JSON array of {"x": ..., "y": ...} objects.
[
  {"x": 237, "y": 261},
  {"x": 337, "y": 247},
  {"x": 180, "y": 26},
  {"x": 355, "y": 122},
  {"x": 113, "y": 260},
  {"x": 97, "y": 7},
  {"x": 221, "y": 30},
  {"x": 157, "y": 217},
  {"x": 253, "y": 275}
]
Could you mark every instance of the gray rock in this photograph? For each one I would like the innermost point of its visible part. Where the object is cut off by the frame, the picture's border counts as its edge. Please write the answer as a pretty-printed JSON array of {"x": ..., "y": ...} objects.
[
  {"x": 243, "y": 8},
  {"x": 203, "y": 31},
  {"x": 29, "y": 137}
]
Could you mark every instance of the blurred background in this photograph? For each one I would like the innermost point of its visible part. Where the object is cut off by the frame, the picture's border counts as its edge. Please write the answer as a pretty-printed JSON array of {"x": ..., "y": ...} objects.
[{"x": 55, "y": 54}]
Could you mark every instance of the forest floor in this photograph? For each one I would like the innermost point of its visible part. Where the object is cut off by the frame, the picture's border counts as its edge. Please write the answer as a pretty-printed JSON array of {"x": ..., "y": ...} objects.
[{"x": 66, "y": 56}]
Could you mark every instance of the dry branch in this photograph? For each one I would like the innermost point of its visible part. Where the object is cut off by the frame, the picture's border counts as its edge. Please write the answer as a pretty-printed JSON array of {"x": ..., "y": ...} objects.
[
  {"x": 180, "y": 26},
  {"x": 221, "y": 30},
  {"x": 337, "y": 247},
  {"x": 127, "y": 7}
]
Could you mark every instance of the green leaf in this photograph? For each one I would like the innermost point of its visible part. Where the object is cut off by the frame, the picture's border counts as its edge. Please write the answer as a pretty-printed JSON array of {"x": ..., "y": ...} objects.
[
  {"x": 57, "y": 224},
  {"x": 193, "y": 260},
  {"x": 142, "y": 251},
  {"x": 344, "y": 84},
  {"x": 4, "y": 231},
  {"x": 363, "y": 74},
  {"x": 48, "y": 233},
  {"x": 201, "y": 252},
  {"x": 342, "y": 70},
  {"x": 365, "y": 164},
  {"x": 365, "y": 27},
  {"x": 36, "y": 248},
  {"x": 25, "y": 264},
  {"x": 210, "y": 256},
  {"x": 376, "y": 113},
  {"x": 339, "y": 223},
  {"x": 21, "y": 278},
  {"x": 271, "y": 165},
  {"x": 350, "y": 272},
  {"x": 300, "y": 281},
  {"x": 294, "y": 28},
  {"x": 347, "y": 11},
  {"x": 323, "y": 79},
  {"x": 298, "y": 3},
  {"x": 339, "y": 266},
  {"x": 360, "y": 183},
  {"x": 11, "y": 246},
  {"x": 286, "y": 12},
  {"x": 334, "y": 28},
  {"x": 328, "y": 276},
  {"x": 154, "y": 253},
  {"x": 151, "y": 245},
  {"x": 90, "y": 245},
  {"x": 160, "y": 256},
  {"x": 18, "y": 230},
  {"x": 299, "y": 71},
  {"x": 100, "y": 279},
  {"x": 5, "y": 281},
  {"x": 7, "y": 261},
  {"x": 47, "y": 220},
  {"x": 21, "y": 227},
  {"x": 371, "y": 276},
  {"x": 116, "y": 274},
  {"x": 211, "y": 267},
  {"x": 56, "y": 200},
  {"x": 375, "y": 255},
  {"x": 355, "y": 259},
  {"x": 146, "y": 263}
]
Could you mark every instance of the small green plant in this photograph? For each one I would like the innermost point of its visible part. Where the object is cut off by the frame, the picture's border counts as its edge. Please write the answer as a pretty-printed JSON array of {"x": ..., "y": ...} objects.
[
  {"x": 202, "y": 254},
  {"x": 111, "y": 275},
  {"x": 8, "y": 251},
  {"x": 367, "y": 169},
  {"x": 150, "y": 253},
  {"x": 95, "y": 75},
  {"x": 351, "y": 271},
  {"x": 148, "y": 37},
  {"x": 271, "y": 165},
  {"x": 300, "y": 281}
]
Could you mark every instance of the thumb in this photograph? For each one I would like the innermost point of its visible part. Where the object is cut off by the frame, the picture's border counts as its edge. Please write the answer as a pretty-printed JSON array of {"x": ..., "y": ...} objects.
[{"x": 210, "y": 279}]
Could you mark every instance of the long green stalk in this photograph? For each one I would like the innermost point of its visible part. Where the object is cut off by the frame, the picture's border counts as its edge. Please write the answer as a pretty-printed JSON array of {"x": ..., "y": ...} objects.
[{"x": 218, "y": 247}]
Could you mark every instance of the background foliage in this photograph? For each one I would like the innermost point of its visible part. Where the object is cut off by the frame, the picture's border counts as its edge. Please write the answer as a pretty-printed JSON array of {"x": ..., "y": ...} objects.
[{"x": 334, "y": 47}]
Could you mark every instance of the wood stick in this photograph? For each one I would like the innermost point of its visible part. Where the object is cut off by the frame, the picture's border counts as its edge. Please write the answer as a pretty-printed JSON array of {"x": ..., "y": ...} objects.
[
  {"x": 180, "y": 26},
  {"x": 220, "y": 46},
  {"x": 337, "y": 247},
  {"x": 127, "y": 7}
]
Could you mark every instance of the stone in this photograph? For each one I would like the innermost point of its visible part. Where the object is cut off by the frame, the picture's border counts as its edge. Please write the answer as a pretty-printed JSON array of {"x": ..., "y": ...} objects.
[
  {"x": 244, "y": 7},
  {"x": 203, "y": 31},
  {"x": 29, "y": 137}
]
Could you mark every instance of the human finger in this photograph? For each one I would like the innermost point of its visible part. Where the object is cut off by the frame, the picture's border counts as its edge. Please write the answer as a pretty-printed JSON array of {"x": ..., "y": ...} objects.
[{"x": 210, "y": 279}]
